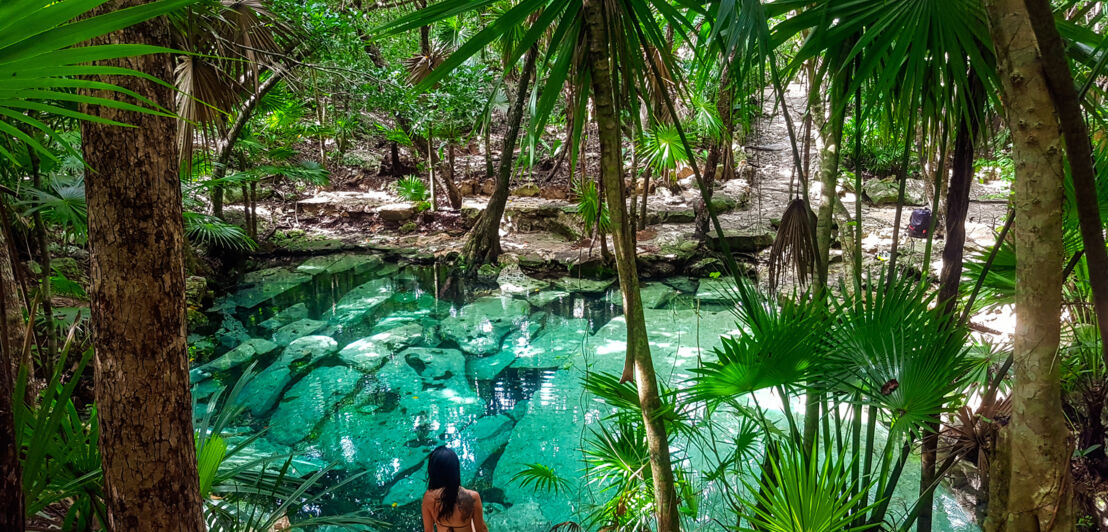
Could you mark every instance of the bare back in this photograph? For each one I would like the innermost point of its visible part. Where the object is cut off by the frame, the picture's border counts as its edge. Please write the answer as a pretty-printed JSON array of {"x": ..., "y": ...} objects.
[{"x": 468, "y": 515}]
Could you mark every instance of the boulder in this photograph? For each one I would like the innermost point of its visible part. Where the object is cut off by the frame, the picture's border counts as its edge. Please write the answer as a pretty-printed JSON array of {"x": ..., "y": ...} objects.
[
  {"x": 885, "y": 191},
  {"x": 478, "y": 327},
  {"x": 397, "y": 212},
  {"x": 558, "y": 345},
  {"x": 309, "y": 401},
  {"x": 527, "y": 190},
  {"x": 749, "y": 240},
  {"x": 310, "y": 347},
  {"x": 737, "y": 190},
  {"x": 297, "y": 329},
  {"x": 265, "y": 389}
]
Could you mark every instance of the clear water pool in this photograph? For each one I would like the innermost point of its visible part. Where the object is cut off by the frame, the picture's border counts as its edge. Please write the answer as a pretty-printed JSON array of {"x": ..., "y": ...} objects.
[{"x": 371, "y": 365}]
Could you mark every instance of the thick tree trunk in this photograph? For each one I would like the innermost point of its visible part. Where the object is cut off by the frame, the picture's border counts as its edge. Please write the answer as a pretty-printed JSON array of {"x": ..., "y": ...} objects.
[
  {"x": 1039, "y": 484},
  {"x": 483, "y": 244},
  {"x": 11, "y": 324},
  {"x": 1059, "y": 80},
  {"x": 638, "y": 358},
  {"x": 136, "y": 238}
]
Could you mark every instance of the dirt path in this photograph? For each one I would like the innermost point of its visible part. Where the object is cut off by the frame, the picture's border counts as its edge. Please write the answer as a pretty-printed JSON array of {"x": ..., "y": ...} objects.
[{"x": 537, "y": 227}]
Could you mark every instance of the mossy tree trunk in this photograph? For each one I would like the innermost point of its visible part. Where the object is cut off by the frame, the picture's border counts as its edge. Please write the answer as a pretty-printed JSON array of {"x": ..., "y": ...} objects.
[
  {"x": 136, "y": 241},
  {"x": 1039, "y": 487},
  {"x": 483, "y": 243},
  {"x": 638, "y": 364}
]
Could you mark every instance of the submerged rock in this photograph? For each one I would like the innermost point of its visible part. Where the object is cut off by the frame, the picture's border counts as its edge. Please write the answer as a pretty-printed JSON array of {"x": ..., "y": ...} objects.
[
  {"x": 556, "y": 346},
  {"x": 245, "y": 352},
  {"x": 719, "y": 290},
  {"x": 286, "y": 316},
  {"x": 360, "y": 302},
  {"x": 654, "y": 295},
  {"x": 313, "y": 347},
  {"x": 474, "y": 445},
  {"x": 340, "y": 263},
  {"x": 365, "y": 355},
  {"x": 309, "y": 401},
  {"x": 297, "y": 329},
  {"x": 267, "y": 284},
  {"x": 479, "y": 326},
  {"x": 584, "y": 286},
  {"x": 546, "y": 297},
  {"x": 513, "y": 281},
  {"x": 523, "y": 517}
]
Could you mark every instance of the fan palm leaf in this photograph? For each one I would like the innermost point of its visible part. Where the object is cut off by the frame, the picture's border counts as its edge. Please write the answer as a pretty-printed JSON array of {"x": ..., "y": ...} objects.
[{"x": 45, "y": 69}]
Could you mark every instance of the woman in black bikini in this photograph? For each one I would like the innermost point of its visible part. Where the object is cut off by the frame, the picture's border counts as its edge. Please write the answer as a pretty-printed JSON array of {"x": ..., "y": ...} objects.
[{"x": 448, "y": 506}]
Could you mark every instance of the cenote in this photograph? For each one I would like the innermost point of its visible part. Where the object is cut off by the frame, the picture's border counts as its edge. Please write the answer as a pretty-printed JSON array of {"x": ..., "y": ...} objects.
[{"x": 369, "y": 365}]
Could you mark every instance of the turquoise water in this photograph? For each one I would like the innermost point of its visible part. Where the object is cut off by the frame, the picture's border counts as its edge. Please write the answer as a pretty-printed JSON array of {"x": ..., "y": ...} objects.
[{"x": 371, "y": 365}]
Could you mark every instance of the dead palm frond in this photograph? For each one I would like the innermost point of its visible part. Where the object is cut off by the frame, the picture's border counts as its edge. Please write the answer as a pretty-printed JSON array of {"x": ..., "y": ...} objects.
[
  {"x": 420, "y": 66},
  {"x": 229, "y": 42},
  {"x": 794, "y": 245},
  {"x": 973, "y": 434}
]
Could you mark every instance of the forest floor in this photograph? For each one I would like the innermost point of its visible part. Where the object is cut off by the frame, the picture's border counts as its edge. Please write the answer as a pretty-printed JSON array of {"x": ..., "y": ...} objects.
[{"x": 362, "y": 210}]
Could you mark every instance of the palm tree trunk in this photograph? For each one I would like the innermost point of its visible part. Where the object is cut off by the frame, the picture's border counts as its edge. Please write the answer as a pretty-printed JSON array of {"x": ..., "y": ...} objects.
[
  {"x": 1067, "y": 102},
  {"x": 136, "y": 238},
  {"x": 483, "y": 244},
  {"x": 638, "y": 358},
  {"x": 1040, "y": 489},
  {"x": 11, "y": 321}
]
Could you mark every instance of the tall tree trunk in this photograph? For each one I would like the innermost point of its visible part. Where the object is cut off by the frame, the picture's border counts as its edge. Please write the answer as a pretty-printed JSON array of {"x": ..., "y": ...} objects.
[
  {"x": 483, "y": 244},
  {"x": 1059, "y": 80},
  {"x": 832, "y": 133},
  {"x": 226, "y": 146},
  {"x": 638, "y": 360},
  {"x": 951, "y": 276},
  {"x": 1039, "y": 484},
  {"x": 136, "y": 238},
  {"x": 11, "y": 323},
  {"x": 957, "y": 199},
  {"x": 44, "y": 260}
]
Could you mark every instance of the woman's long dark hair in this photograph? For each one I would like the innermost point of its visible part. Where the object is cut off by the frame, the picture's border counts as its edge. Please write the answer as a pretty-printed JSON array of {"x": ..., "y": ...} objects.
[{"x": 444, "y": 471}]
